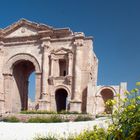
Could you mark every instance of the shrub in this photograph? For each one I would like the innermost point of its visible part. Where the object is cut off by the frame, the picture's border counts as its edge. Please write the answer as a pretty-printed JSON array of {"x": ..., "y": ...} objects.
[
  {"x": 37, "y": 112},
  {"x": 11, "y": 119},
  {"x": 51, "y": 119},
  {"x": 95, "y": 134},
  {"x": 46, "y": 138},
  {"x": 126, "y": 116},
  {"x": 47, "y": 112},
  {"x": 101, "y": 115},
  {"x": 68, "y": 112},
  {"x": 83, "y": 118}
]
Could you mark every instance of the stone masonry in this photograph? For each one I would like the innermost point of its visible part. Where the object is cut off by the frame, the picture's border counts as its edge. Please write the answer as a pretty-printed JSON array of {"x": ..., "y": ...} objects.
[{"x": 65, "y": 67}]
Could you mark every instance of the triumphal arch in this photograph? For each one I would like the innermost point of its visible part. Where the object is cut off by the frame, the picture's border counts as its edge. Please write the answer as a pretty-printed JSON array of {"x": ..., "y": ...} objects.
[{"x": 65, "y": 67}]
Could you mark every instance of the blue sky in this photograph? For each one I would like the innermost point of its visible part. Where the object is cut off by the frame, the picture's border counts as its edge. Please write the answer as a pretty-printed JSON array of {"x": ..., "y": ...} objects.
[{"x": 114, "y": 24}]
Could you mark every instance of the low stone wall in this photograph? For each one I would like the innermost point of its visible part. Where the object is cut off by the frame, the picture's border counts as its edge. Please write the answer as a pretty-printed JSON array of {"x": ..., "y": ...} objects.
[{"x": 68, "y": 117}]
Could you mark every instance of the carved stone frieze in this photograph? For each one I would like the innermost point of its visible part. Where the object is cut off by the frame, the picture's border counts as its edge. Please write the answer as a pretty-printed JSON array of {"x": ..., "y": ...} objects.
[{"x": 60, "y": 80}]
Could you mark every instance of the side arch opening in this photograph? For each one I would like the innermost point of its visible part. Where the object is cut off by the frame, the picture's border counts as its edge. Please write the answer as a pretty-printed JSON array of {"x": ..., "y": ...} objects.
[
  {"x": 61, "y": 99},
  {"x": 107, "y": 94}
]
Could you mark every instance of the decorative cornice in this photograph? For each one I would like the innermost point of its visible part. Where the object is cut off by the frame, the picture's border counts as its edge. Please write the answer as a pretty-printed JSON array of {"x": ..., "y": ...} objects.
[
  {"x": 1, "y": 43},
  {"x": 42, "y": 32},
  {"x": 79, "y": 35}
]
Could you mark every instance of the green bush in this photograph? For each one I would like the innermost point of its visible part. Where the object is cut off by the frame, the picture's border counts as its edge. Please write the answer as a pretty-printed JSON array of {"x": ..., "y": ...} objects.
[
  {"x": 102, "y": 115},
  {"x": 47, "y": 112},
  {"x": 46, "y": 138},
  {"x": 68, "y": 112},
  {"x": 126, "y": 116},
  {"x": 83, "y": 118},
  {"x": 52, "y": 119},
  {"x": 95, "y": 134},
  {"x": 11, "y": 119},
  {"x": 37, "y": 112}
]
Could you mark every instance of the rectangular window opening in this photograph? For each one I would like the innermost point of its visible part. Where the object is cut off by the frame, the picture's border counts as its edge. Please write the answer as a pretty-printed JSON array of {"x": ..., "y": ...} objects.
[{"x": 63, "y": 67}]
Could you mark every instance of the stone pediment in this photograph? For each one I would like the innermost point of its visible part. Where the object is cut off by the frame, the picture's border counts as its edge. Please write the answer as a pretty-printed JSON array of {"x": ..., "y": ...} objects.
[
  {"x": 27, "y": 31},
  {"x": 24, "y": 28},
  {"x": 23, "y": 31},
  {"x": 61, "y": 51}
]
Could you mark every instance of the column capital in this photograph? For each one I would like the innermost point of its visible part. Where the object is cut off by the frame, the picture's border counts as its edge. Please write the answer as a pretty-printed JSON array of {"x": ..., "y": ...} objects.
[
  {"x": 78, "y": 42},
  {"x": 79, "y": 39},
  {"x": 53, "y": 57},
  {"x": 70, "y": 55},
  {"x": 46, "y": 44},
  {"x": 7, "y": 74}
]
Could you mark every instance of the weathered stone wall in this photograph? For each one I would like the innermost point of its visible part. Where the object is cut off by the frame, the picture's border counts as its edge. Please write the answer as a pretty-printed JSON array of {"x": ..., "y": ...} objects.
[
  {"x": 95, "y": 99},
  {"x": 43, "y": 47}
]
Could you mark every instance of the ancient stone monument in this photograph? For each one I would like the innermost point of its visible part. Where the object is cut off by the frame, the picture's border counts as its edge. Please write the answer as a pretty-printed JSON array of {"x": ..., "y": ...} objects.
[{"x": 65, "y": 67}]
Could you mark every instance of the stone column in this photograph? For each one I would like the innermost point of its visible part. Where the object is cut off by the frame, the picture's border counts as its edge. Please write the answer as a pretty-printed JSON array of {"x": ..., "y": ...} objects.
[
  {"x": 70, "y": 65},
  {"x": 54, "y": 66},
  {"x": 7, "y": 92},
  {"x": 77, "y": 99},
  {"x": 1, "y": 79},
  {"x": 45, "y": 71},
  {"x": 25, "y": 84},
  {"x": 45, "y": 96},
  {"x": 38, "y": 89}
]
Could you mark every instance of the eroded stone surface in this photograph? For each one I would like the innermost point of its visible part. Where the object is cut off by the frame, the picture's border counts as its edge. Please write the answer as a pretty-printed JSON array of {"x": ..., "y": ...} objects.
[{"x": 64, "y": 62}]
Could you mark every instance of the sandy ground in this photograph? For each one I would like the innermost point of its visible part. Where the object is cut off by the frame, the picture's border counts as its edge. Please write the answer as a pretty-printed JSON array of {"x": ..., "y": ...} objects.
[{"x": 28, "y": 131}]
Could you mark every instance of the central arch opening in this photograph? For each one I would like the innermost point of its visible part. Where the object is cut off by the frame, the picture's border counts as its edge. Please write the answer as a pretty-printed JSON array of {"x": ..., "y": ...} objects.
[
  {"x": 21, "y": 72},
  {"x": 61, "y": 99}
]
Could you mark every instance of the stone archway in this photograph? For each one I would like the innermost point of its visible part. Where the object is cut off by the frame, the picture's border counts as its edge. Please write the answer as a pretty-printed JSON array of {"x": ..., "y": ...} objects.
[
  {"x": 21, "y": 73},
  {"x": 16, "y": 74},
  {"x": 8, "y": 68},
  {"x": 106, "y": 94},
  {"x": 61, "y": 99}
]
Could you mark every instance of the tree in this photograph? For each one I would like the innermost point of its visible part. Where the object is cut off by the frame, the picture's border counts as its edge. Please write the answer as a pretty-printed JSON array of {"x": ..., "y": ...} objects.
[{"x": 125, "y": 116}]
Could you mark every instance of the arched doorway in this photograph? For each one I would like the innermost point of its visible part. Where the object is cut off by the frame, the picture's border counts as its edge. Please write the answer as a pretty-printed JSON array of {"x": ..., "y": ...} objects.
[
  {"x": 107, "y": 94},
  {"x": 16, "y": 74},
  {"x": 61, "y": 99},
  {"x": 21, "y": 72}
]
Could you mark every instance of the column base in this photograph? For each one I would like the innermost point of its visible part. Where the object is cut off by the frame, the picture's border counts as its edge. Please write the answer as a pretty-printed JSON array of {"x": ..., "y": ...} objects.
[
  {"x": 44, "y": 105},
  {"x": 75, "y": 106}
]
